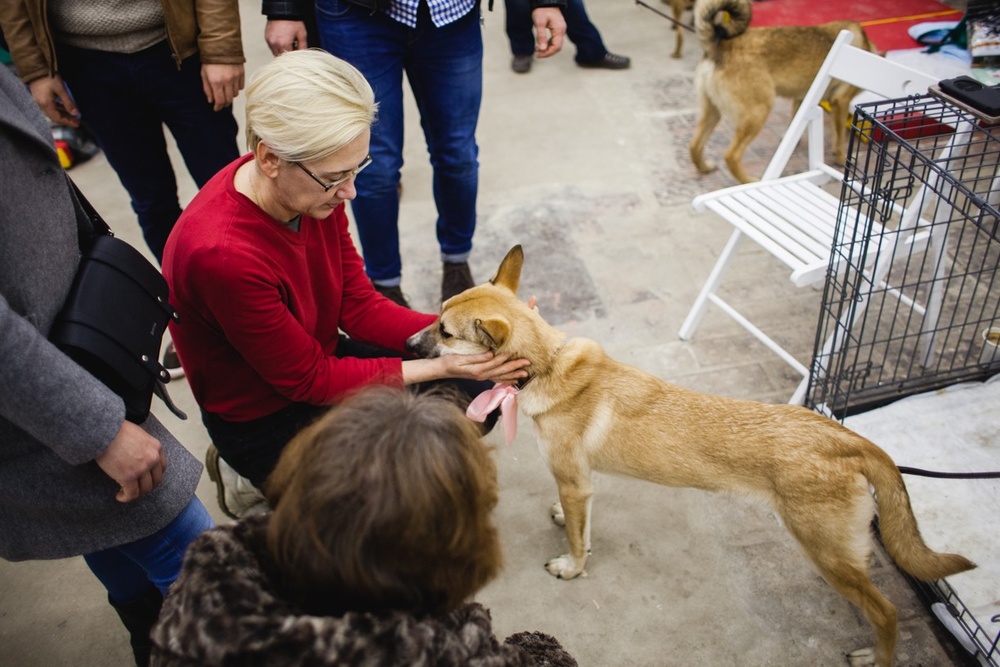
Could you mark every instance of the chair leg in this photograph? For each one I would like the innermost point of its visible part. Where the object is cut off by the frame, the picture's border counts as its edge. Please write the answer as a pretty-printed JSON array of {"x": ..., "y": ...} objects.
[{"x": 698, "y": 309}]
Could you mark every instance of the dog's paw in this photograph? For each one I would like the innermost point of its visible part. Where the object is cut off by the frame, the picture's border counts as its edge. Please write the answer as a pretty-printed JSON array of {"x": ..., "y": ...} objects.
[
  {"x": 556, "y": 512},
  {"x": 564, "y": 568},
  {"x": 863, "y": 657}
]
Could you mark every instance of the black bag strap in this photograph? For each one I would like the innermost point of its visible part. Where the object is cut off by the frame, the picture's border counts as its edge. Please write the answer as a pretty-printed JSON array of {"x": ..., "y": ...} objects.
[{"x": 98, "y": 227}]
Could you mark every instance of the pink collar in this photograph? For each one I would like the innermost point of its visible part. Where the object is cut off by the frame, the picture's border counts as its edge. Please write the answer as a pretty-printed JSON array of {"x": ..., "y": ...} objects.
[{"x": 502, "y": 395}]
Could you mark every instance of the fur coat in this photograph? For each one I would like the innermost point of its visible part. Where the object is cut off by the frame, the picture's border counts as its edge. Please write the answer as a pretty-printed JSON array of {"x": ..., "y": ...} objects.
[{"x": 225, "y": 609}]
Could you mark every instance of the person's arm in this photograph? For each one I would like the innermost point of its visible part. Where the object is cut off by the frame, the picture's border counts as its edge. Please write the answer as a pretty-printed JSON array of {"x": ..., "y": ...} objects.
[
  {"x": 286, "y": 28},
  {"x": 550, "y": 26},
  {"x": 220, "y": 48}
]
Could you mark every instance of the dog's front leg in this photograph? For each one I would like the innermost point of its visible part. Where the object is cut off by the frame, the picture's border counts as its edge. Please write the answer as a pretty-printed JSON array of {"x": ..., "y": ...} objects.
[{"x": 575, "y": 498}]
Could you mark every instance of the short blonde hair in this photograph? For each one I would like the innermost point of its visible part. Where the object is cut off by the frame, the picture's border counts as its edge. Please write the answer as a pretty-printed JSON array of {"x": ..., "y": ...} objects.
[{"x": 307, "y": 104}]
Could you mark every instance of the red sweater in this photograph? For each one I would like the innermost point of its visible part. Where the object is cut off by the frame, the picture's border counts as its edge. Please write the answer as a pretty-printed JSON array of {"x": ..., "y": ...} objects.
[{"x": 261, "y": 306}]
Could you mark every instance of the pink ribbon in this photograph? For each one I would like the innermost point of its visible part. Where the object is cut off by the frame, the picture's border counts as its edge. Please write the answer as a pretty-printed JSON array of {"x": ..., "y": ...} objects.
[{"x": 504, "y": 396}]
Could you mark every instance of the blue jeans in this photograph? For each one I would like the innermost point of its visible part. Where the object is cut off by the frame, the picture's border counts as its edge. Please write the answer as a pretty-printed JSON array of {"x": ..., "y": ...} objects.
[
  {"x": 445, "y": 69},
  {"x": 579, "y": 28},
  {"x": 125, "y": 100},
  {"x": 127, "y": 571}
]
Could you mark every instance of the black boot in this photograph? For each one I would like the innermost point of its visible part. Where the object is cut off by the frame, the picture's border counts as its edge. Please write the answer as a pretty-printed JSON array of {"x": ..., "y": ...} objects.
[{"x": 138, "y": 616}]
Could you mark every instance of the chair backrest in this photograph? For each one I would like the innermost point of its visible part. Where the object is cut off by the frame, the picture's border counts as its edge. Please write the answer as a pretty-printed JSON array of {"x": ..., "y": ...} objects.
[{"x": 867, "y": 71}]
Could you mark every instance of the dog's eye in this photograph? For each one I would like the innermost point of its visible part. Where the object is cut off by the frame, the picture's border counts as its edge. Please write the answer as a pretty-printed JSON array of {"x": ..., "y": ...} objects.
[{"x": 444, "y": 334}]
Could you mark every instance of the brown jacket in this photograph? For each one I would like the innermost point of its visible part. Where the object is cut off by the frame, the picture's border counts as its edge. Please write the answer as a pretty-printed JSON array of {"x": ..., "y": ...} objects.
[{"x": 208, "y": 27}]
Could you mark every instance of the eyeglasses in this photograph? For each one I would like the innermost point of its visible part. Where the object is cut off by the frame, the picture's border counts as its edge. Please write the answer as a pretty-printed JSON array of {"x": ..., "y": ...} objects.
[{"x": 329, "y": 186}]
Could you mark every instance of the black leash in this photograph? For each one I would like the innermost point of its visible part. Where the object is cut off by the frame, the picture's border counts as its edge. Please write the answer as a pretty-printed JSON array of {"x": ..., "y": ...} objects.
[
  {"x": 669, "y": 18},
  {"x": 948, "y": 475}
]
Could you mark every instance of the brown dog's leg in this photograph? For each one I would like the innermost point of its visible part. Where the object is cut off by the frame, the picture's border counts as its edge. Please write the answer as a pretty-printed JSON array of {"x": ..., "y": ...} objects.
[
  {"x": 747, "y": 129},
  {"x": 679, "y": 42},
  {"x": 709, "y": 118},
  {"x": 575, "y": 493},
  {"x": 830, "y": 533}
]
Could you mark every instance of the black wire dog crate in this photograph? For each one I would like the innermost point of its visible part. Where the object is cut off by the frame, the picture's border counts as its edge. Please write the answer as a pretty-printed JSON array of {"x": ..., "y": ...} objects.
[
  {"x": 911, "y": 301},
  {"x": 912, "y": 296}
]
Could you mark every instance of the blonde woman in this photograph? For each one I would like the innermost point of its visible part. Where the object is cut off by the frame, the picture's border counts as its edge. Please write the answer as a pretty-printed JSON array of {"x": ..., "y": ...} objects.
[{"x": 277, "y": 317}]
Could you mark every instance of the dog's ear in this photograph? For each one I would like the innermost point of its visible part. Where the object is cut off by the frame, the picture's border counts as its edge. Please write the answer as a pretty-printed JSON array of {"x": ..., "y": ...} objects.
[
  {"x": 494, "y": 332},
  {"x": 509, "y": 273}
]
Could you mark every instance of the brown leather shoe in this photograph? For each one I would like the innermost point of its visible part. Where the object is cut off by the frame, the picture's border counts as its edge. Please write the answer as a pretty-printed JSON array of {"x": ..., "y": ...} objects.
[
  {"x": 393, "y": 292},
  {"x": 522, "y": 64},
  {"x": 455, "y": 279},
  {"x": 609, "y": 61}
]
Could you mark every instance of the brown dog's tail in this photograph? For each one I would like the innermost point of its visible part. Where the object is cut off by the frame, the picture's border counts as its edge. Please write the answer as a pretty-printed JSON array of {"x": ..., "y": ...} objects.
[
  {"x": 898, "y": 526},
  {"x": 717, "y": 20}
]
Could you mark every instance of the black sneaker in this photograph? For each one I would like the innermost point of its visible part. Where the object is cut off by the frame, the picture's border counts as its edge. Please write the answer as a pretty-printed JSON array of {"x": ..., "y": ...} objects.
[
  {"x": 609, "y": 61},
  {"x": 455, "y": 279},
  {"x": 393, "y": 293}
]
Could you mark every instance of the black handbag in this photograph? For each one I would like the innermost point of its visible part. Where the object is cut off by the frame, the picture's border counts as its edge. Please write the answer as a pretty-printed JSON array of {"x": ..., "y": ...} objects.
[{"x": 114, "y": 318}]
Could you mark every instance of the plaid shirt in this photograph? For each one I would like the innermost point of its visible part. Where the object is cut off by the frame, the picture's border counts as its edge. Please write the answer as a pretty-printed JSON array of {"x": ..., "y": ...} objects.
[{"x": 443, "y": 12}]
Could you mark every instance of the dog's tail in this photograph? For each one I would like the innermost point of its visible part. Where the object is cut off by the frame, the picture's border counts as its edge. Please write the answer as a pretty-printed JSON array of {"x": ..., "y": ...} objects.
[
  {"x": 898, "y": 526},
  {"x": 717, "y": 20}
]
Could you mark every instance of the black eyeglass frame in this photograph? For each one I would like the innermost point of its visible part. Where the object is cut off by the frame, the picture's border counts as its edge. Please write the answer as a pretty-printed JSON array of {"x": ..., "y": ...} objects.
[{"x": 340, "y": 181}]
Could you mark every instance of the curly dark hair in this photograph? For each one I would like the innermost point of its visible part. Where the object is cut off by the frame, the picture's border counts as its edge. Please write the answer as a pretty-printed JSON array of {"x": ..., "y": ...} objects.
[{"x": 385, "y": 503}]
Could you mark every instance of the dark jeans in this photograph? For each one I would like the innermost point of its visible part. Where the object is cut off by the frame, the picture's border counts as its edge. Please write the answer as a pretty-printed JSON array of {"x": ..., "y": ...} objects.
[
  {"x": 445, "y": 69},
  {"x": 252, "y": 448},
  {"x": 125, "y": 100},
  {"x": 579, "y": 28}
]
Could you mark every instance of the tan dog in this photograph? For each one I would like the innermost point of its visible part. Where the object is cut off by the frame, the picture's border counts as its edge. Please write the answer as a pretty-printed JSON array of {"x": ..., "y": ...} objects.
[
  {"x": 592, "y": 413},
  {"x": 744, "y": 69},
  {"x": 678, "y": 7}
]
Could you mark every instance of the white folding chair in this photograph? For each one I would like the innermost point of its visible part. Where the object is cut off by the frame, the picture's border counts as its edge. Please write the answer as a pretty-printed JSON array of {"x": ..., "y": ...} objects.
[{"x": 792, "y": 216}]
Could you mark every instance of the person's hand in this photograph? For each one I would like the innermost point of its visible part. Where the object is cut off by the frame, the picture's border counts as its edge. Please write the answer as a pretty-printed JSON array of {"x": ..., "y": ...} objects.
[
  {"x": 550, "y": 30},
  {"x": 51, "y": 94},
  {"x": 284, "y": 36},
  {"x": 221, "y": 83},
  {"x": 485, "y": 366},
  {"x": 533, "y": 302},
  {"x": 135, "y": 460}
]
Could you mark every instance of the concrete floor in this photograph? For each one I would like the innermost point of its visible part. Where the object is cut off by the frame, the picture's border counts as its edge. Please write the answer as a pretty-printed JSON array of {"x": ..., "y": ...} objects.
[{"x": 588, "y": 170}]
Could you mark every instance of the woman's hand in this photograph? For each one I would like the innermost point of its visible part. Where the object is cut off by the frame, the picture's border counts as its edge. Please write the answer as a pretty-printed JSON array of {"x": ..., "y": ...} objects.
[{"x": 485, "y": 366}]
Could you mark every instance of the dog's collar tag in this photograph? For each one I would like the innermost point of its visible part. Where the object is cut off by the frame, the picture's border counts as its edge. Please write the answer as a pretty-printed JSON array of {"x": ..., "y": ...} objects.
[{"x": 502, "y": 396}]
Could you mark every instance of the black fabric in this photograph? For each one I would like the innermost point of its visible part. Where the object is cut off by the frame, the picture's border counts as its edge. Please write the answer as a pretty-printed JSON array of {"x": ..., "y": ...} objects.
[
  {"x": 138, "y": 616},
  {"x": 114, "y": 318}
]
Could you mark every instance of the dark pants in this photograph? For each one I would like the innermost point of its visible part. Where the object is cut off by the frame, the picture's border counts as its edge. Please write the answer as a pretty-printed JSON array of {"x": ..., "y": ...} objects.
[
  {"x": 444, "y": 67},
  {"x": 252, "y": 448},
  {"x": 579, "y": 29},
  {"x": 125, "y": 100}
]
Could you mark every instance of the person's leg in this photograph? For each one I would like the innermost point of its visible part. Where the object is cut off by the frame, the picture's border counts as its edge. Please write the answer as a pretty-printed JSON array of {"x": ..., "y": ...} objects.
[
  {"x": 445, "y": 71},
  {"x": 519, "y": 27},
  {"x": 129, "y": 131},
  {"x": 206, "y": 138},
  {"x": 137, "y": 575},
  {"x": 375, "y": 44},
  {"x": 252, "y": 448},
  {"x": 583, "y": 33}
]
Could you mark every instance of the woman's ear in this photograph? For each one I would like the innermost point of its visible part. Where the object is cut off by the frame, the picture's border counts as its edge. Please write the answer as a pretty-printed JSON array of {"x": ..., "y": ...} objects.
[{"x": 267, "y": 160}]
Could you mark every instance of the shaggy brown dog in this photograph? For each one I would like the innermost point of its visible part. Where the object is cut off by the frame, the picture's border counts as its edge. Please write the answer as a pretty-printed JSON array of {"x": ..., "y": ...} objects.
[{"x": 744, "y": 69}]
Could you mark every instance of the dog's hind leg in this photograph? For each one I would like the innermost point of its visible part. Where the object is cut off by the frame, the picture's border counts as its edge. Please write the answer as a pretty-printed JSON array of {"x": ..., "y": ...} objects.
[
  {"x": 679, "y": 41},
  {"x": 747, "y": 129},
  {"x": 707, "y": 121},
  {"x": 836, "y": 537},
  {"x": 575, "y": 496}
]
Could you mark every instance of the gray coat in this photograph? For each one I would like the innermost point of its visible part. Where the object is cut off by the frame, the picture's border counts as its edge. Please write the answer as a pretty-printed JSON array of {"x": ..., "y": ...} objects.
[{"x": 55, "y": 418}]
